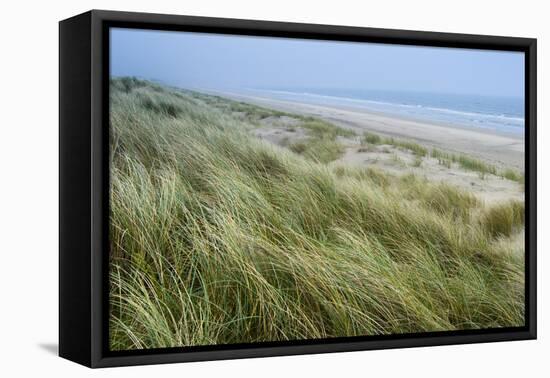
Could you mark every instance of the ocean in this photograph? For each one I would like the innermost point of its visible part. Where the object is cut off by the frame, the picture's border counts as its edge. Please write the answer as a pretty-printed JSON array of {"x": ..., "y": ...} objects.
[{"x": 503, "y": 114}]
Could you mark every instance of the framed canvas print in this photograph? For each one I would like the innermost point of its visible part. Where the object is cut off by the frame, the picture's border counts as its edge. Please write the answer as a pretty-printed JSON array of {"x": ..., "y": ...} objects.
[{"x": 234, "y": 188}]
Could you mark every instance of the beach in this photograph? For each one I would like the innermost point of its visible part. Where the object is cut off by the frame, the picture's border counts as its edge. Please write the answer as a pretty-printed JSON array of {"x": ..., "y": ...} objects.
[{"x": 502, "y": 149}]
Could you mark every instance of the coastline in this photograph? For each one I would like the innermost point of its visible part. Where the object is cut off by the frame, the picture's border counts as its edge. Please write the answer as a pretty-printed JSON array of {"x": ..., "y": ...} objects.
[
  {"x": 263, "y": 200},
  {"x": 498, "y": 148}
]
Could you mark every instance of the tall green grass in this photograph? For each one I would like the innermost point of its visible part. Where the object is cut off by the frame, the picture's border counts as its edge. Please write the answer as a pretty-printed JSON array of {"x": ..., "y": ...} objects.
[
  {"x": 218, "y": 237},
  {"x": 504, "y": 219}
]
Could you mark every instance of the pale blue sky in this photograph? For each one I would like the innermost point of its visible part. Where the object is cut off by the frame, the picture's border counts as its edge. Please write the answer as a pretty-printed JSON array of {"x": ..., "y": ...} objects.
[{"x": 220, "y": 61}]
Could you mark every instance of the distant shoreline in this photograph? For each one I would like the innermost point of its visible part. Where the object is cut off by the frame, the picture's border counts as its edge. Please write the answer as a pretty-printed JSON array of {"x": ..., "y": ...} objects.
[
  {"x": 496, "y": 147},
  {"x": 422, "y": 109}
]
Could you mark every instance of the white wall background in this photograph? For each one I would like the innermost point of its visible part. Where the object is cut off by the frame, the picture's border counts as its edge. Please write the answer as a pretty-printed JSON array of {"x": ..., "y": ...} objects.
[{"x": 29, "y": 186}]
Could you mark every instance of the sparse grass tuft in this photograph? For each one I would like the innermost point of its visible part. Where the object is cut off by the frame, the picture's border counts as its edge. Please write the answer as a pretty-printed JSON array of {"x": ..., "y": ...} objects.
[
  {"x": 417, "y": 161},
  {"x": 415, "y": 148},
  {"x": 323, "y": 150},
  {"x": 476, "y": 165},
  {"x": 323, "y": 145},
  {"x": 371, "y": 138},
  {"x": 323, "y": 129},
  {"x": 397, "y": 160},
  {"x": 513, "y": 175}
]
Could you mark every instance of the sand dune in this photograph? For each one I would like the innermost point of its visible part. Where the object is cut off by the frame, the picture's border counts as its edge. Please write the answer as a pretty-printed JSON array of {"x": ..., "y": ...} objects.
[{"x": 505, "y": 150}]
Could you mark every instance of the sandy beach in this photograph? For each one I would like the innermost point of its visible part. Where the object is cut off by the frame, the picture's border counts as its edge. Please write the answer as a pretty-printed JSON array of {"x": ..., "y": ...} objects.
[{"x": 505, "y": 150}]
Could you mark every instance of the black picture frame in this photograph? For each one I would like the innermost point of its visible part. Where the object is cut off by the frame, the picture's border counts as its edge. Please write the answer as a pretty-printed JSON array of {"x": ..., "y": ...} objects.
[{"x": 84, "y": 186}]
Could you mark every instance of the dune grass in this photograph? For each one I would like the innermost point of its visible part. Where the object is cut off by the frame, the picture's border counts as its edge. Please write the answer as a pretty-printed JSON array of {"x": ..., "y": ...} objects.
[
  {"x": 415, "y": 148},
  {"x": 513, "y": 175},
  {"x": 476, "y": 165},
  {"x": 322, "y": 144},
  {"x": 504, "y": 219},
  {"x": 444, "y": 158},
  {"x": 218, "y": 237},
  {"x": 253, "y": 113},
  {"x": 323, "y": 150}
]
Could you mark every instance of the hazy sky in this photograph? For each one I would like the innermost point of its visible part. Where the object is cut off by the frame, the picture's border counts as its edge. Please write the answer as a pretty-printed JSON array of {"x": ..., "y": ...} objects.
[{"x": 219, "y": 61}]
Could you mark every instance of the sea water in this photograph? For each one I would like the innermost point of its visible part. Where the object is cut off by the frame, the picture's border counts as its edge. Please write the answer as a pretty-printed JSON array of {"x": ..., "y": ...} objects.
[{"x": 503, "y": 114}]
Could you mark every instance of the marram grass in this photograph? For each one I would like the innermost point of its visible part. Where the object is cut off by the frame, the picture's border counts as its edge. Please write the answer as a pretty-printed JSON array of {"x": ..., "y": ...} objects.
[{"x": 218, "y": 237}]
